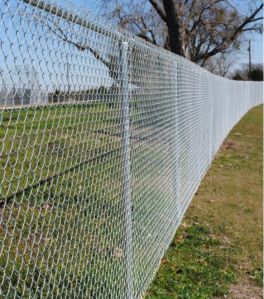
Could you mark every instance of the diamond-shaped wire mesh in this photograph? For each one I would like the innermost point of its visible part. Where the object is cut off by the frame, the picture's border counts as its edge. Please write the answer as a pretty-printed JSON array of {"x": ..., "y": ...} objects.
[{"x": 104, "y": 141}]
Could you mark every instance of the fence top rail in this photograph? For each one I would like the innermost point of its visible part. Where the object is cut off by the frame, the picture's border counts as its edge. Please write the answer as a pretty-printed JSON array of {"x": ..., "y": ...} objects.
[
  {"x": 72, "y": 17},
  {"x": 108, "y": 29}
]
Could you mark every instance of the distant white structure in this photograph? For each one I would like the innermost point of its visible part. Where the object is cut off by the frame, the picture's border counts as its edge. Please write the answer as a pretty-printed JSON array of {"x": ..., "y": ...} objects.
[{"x": 20, "y": 86}]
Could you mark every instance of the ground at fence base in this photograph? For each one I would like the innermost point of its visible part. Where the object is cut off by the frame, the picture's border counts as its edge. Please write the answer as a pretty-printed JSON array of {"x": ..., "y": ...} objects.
[{"x": 217, "y": 251}]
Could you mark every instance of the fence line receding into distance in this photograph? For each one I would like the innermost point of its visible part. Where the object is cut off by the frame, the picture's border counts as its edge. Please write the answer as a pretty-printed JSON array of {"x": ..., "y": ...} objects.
[{"x": 104, "y": 141}]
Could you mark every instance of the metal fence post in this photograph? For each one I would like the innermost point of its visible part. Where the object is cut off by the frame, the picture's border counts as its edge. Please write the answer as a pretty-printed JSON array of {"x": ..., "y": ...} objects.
[
  {"x": 126, "y": 166},
  {"x": 178, "y": 109},
  {"x": 176, "y": 153},
  {"x": 211, "y": 105}
]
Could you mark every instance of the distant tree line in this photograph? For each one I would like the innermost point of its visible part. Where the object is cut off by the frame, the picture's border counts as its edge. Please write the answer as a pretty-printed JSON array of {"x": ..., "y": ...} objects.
[{"x": 243, "y": 74}]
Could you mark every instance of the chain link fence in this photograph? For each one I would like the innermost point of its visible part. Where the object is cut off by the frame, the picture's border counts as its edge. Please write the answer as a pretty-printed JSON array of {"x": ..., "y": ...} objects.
[{"x": 104, "y": 141}]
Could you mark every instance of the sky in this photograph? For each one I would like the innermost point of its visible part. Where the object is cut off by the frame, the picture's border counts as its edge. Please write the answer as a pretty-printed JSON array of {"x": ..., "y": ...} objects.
[
  {"x": 241, "y": 58},
  {"x": 59, "y": 65}
]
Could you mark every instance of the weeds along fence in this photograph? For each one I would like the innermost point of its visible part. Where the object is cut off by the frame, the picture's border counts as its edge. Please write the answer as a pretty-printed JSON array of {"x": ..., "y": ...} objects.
[{"x": 104, "y": 141}]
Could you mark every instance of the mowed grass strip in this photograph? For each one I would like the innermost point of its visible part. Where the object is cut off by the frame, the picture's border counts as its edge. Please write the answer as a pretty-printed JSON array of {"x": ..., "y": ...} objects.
[{"x": 217, "y": 251}]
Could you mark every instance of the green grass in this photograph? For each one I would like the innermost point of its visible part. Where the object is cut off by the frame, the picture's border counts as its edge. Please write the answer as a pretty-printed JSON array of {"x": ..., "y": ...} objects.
[
  {"x": 193, "y": 267},
  {"x": 219, "y": 244},
  {"x": 37, "y": 143},
  {"x": 61, "y": 207},
  {"x": 61, "y": 199},
  {"x": 60, "y": 190}
]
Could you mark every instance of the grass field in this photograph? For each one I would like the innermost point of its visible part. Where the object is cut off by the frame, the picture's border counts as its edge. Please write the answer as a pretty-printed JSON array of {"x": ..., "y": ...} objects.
[
  {"x": 62, "y": 214},
  {"x": 57, "y": 163},
  {"x": 217, "y": 251},
  {"x": 61, "y": 199}
]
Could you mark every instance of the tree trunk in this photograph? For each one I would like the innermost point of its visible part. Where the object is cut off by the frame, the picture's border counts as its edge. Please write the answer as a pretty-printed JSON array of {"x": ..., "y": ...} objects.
[{"x": 173, "y": 24}]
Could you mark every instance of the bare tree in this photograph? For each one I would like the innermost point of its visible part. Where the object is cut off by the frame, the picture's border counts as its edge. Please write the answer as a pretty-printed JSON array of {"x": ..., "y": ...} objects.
[
  {"x": 62, "y": 25},
  {"x": 220, "y": 64},
  {"x": 197, "y": 30},
  {"x": 194, "y": 29}
]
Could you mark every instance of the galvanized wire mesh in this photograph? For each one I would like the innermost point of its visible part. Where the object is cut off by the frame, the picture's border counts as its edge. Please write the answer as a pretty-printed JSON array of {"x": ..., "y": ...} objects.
[{"x": 104, "y": 141}]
